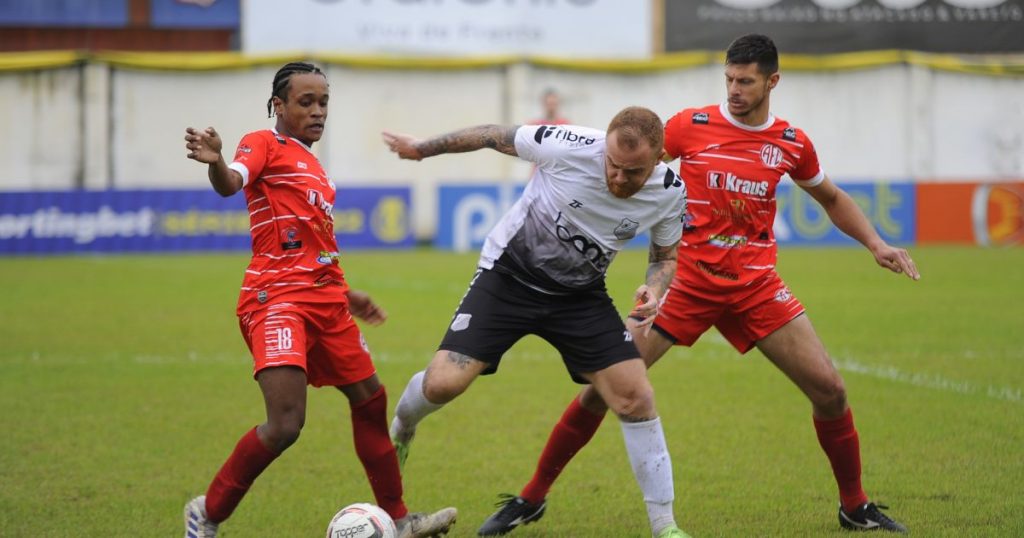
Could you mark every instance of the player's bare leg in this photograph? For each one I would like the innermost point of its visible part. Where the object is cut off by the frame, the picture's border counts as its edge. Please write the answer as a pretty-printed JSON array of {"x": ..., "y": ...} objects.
[
  {"x": 627, "y": 391},
  {"x": 796, "y": 350},
  {"x": 448, "y": 375}
]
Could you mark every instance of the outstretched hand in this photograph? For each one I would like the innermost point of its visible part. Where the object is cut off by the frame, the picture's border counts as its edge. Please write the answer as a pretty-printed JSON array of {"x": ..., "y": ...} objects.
[
  {"x": 362, "y": 307},
  {"x": 403, "y": 145},
  {"x": 896, "y": 260},
  {"x": 203, "y": 146}
]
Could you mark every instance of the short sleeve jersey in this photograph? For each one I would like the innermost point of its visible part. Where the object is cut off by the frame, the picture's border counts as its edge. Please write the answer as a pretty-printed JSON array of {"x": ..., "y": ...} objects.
[
  {"x": 731, "y": 171},
  {"x": 567, "y": 227},
  {"x": 290, "y": 201}
]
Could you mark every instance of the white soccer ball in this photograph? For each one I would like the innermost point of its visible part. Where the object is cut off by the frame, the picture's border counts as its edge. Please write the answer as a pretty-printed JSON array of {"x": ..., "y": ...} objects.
[{"x": 362, "y": 520}]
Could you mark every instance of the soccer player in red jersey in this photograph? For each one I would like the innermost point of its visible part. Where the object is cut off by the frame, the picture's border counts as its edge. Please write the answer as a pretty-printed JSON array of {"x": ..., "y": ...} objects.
[
  {"x": 732, "y": 157},
  {"x": 295, "y": 309}
]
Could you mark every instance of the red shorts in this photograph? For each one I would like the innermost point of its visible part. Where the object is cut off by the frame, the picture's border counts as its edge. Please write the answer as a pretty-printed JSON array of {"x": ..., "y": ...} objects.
[
  {"x": 743, "y": 317},
  {"x": 322, "y": 339}
]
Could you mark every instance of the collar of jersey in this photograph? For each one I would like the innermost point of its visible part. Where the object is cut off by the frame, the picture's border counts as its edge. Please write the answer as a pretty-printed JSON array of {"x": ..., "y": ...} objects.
[
  {"x": 297, "y": 141},
  {"x": 724, "y": 110}
]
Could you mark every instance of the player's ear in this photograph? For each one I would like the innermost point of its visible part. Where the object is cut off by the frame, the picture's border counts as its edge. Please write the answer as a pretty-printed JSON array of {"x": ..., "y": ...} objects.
[
  {"x": 278, "y": 105},
  {"x": 773, "y": 80}
]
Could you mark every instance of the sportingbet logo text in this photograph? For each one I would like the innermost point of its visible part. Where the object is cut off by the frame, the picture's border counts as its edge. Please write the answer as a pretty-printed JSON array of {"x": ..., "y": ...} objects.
[{"x": 729, "y": 182}]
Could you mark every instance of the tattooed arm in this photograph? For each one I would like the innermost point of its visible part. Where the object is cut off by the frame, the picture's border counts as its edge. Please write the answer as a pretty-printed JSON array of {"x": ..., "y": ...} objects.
[
  {"x": 497, "y": 137},
  {"x": 661, "y": 267}
]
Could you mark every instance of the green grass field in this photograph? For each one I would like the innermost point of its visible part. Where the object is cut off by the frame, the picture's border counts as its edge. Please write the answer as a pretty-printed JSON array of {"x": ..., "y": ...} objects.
[{"x": 124, "y": 384}]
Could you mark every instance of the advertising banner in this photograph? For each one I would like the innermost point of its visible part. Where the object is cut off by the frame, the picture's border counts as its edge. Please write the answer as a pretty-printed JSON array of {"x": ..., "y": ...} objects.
[
  {"x": 64, "y": 13},
  {"x": 178, "y": 220},
  {"x": 890, "y": 207},
  {"x": 205, "y": 14},
  {"x": 987, "y": 214},
  {"x": 561, "y": 28},
  {"x": 827, "y": 26}
]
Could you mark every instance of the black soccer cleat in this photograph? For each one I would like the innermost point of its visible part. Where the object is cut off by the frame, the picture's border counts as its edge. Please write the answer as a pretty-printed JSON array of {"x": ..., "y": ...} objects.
[
  {"x": 869, "y": 517},
  {"x": 514, "y": 511}
]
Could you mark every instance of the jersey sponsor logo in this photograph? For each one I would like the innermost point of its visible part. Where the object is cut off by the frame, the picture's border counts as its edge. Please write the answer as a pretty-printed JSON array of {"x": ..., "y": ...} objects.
[
  {"x": 783, "y": 295},
  {"x": 700, "y": 118},
  {"x": 671, "y": 179},
  {"x": 327, "y": 257},
  {"x": 771, "y": 155},
  {"x": 565, "y": 135},
  {"x": 727, "y": 241},
  {"x": 714, "y": 271},
  {"x": 327, "y": 280},
  {"x": 789, "y": 133},
  {"x": 736, "y": 212},
  {"x": 626, "y": 229},
  {"x": 244, "y": 148},
  {"x": 728, "y": 181},
  {"x": 301, "y": 165},
  {"x": 288, "y": 241},
  {"x": 261, "y": 296},
  {"x": 316, "y": 198},
  {"x": 461, "y": 322},
  {"x": 583, "y": 244}
]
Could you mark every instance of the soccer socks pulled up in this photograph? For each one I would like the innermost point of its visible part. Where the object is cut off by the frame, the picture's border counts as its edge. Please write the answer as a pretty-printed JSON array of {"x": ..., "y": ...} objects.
[
  {"x": 236, "y": 476},
  {"x": 838, "y": 438},
  {"x": 412, "y": 407},
  {"x": 377, "y": 454},
  {"x": 652, "y": 466},
  {"x": 573, "y": 431}
]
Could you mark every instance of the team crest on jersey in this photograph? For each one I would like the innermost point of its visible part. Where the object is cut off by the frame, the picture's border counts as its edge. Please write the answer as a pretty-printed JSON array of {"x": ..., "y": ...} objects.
[
  {"x": 261, "y": 296},
  {"x": 626, "y": 229},
  {"x": 699, "y": 118},
  {"x": 288, "y": 239},
  {"x": 783, "y": 295},
  {"x": 789, "y": 133},
  {"x": 771, "y": 155}
]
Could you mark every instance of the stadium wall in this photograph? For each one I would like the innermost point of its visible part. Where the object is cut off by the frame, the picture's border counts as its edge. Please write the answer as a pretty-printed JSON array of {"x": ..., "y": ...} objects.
[{"x": 116, "y": 120}]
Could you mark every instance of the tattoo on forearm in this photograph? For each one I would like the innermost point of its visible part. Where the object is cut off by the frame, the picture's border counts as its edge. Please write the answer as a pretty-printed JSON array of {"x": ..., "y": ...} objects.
[
  {"x": 661, "y": 266},
  {"x": 460, "y": 360},
  {"x": 497, "y": 137}
]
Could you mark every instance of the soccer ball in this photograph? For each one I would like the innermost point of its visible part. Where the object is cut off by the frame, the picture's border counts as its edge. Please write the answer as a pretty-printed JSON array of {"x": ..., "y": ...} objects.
[{"x": 362, "y": 520}]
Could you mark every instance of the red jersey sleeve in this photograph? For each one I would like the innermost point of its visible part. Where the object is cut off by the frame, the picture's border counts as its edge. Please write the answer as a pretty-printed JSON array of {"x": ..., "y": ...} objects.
[
  {"x": 808, "y": 170},
  {"x": 251, "y": 157},
  {"x": 674, "y": 135}
]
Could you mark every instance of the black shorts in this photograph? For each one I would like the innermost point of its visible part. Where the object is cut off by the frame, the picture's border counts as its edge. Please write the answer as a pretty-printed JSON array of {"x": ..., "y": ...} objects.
[{"x": 498, "y": 310}]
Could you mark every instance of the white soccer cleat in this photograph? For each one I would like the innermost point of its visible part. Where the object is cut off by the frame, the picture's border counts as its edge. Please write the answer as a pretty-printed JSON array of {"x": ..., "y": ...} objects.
[
  {"x": 196, "y": 524},
  {"x": 421, "y": 525}
]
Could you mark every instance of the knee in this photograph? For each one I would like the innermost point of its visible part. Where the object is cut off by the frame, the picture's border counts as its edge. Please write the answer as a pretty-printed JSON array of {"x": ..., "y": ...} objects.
[
  {"x": 635, "y": 403},
  {"x": 441, "y": 390},
  {"x": 830, "y": 400},
  {"x": 283, "y": 432}
]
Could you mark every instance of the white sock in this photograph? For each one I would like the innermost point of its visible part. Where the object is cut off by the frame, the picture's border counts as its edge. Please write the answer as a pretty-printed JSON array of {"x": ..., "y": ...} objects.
[
  {"x": 652, "y": 466},
  {"x": 411, "y": 409}
]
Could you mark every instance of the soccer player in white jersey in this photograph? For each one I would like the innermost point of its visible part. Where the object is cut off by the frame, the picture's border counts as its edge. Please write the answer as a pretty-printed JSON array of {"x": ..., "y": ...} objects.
[
  {"x": 732, "y": 157},
  {"x": 542, "y": 272}
]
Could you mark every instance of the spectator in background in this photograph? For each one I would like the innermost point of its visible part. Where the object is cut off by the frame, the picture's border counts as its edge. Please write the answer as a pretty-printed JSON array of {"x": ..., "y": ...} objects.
[
  {"x": 295, "y": 308},
  {"x": 552, "y": 103}
]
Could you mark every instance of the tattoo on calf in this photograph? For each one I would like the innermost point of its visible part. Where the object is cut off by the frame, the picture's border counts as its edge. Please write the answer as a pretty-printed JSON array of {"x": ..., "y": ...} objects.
[{"x": 460, "y": 360}]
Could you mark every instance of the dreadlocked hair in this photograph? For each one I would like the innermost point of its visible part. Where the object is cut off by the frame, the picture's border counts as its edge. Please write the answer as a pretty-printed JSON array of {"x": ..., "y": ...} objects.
[{"x": 280, "y": 87}]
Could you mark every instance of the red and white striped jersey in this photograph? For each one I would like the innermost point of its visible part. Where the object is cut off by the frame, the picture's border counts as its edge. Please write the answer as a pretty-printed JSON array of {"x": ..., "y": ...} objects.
[
  {"x": 731, "y": 171},
  {"x": 290, "y": 201}
]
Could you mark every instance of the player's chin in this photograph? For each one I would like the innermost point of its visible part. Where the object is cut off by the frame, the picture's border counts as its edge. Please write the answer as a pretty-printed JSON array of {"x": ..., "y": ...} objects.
[
  {"x": 315, "y": 132},
  {"x": 620, "y": 191}
]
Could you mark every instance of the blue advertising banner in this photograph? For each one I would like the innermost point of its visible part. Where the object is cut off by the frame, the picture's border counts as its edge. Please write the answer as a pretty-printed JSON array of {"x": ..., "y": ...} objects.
[
  {"x": 194, "y": 14},
  {"x": 466, "y": 214},
  {"x": 175, "y": 220},
  {"x": 79, "y": 13},
  {"x": 891, "y": 208}
]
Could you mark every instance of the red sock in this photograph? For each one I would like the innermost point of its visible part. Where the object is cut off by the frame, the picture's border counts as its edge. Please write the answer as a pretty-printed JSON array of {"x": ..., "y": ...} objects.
[
  {"x": 838, "y": 438},
  {"x": 575, "y": 429},
  {"x": 375, "y": 451},
  {"x": 246, "y": 462}
]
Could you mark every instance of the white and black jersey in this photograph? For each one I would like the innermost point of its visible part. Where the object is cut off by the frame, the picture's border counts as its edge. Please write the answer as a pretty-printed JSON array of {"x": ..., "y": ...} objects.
[{"x": 567, "y": 227}]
